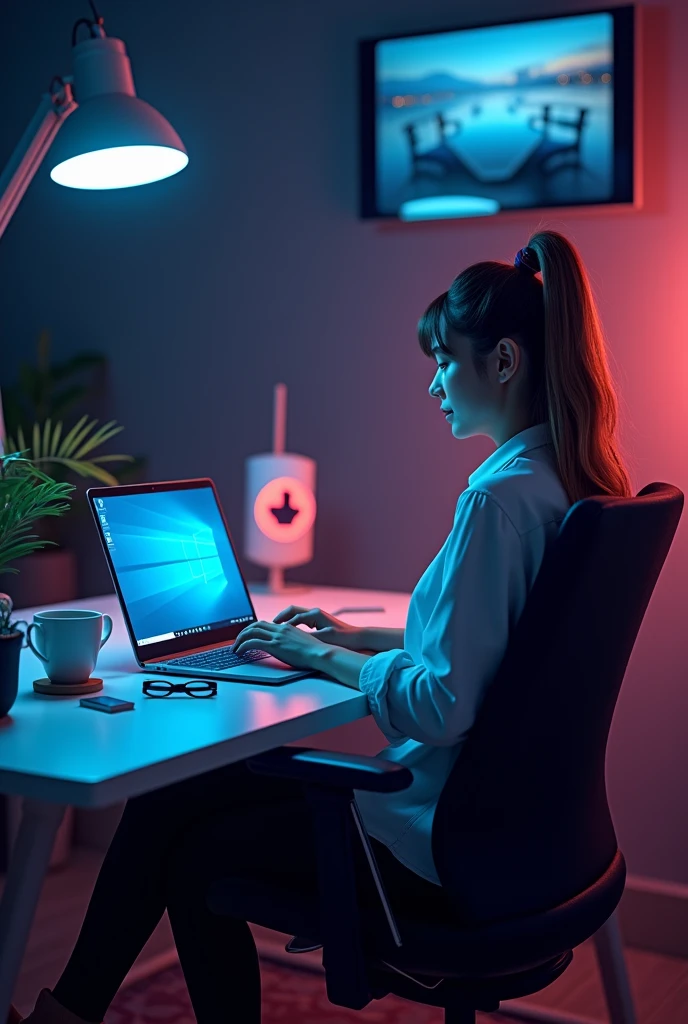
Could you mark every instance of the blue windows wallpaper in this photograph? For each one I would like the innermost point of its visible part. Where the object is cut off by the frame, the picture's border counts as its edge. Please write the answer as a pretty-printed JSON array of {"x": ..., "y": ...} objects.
[{"x": 173, "y": 560}]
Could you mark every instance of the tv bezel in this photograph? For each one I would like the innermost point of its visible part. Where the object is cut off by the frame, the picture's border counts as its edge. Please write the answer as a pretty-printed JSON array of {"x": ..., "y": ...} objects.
[{"x": 625, "y": 110}]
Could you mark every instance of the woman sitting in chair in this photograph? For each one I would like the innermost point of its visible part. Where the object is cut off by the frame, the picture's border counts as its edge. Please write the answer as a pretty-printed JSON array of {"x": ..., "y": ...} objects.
[{"x": 521, "y": 358}]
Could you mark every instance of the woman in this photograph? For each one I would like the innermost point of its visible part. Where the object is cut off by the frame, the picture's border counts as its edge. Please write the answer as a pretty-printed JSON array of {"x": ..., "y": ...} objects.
[{"x": 521, "y": 359}]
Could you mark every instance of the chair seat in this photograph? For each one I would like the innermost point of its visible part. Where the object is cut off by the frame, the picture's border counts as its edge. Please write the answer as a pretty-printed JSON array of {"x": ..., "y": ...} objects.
[
  {"x": 439, "y": 946},
  {"x": 447, "y": 967}
]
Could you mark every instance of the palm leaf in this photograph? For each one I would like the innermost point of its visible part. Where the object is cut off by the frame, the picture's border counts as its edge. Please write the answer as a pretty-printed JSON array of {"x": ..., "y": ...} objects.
[
  {"x": 25, "y": 497},
  {"x": 12, "y": 460},
  {"x": 88, "y": 469},
  {"x": 113, "y": 458},
  {"x": 103, "y": 434},
  {"x": 45, "y": 443},
  {"x": 28, "y": 468},
  {"x": 55, "y": 440},
  {"x": 18, "y": 551},
  {"x": 49, "y": 447},
  {"x": 68, "y": 445}
]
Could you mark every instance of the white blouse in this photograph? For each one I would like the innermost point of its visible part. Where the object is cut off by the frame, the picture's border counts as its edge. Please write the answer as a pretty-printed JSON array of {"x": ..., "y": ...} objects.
[{"x": 425, "y": 697}]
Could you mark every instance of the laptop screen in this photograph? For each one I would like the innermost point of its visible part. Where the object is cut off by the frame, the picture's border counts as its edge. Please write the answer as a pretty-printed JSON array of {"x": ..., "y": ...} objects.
[{"x": 174, "y": 565}]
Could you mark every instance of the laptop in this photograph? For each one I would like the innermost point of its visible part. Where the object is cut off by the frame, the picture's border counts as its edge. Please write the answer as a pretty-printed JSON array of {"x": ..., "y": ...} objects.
[{"x": 181, "y": 589}]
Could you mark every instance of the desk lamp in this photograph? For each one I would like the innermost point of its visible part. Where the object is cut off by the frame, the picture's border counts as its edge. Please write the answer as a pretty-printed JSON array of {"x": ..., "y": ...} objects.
[
  {"x": 280, "y": 506},
  {"x": 112, "y": 139}
]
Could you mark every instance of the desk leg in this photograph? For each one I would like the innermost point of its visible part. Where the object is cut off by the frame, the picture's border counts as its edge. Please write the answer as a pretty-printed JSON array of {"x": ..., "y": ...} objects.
[{"x": 28, "y": 863}]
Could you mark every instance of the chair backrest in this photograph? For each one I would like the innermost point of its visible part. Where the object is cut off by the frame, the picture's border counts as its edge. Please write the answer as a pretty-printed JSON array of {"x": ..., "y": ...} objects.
[{"x": 523, "y": 822}]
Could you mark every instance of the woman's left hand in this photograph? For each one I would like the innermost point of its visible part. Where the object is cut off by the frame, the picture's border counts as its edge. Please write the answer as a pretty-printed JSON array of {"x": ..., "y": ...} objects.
[{"x": 288, "y": 643}]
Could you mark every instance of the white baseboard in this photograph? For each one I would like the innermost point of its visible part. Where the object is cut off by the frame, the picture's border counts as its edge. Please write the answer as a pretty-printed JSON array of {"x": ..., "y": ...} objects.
[{"x": 653, "y": 915}]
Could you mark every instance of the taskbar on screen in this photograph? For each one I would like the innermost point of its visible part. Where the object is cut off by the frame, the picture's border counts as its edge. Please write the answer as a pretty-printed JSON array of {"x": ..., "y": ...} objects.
[{"x": 205, "y": 628}]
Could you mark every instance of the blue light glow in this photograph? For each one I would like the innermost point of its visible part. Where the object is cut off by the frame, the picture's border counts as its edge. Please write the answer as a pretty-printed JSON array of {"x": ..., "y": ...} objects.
[
  {"x": 119, "y": 167},
  {"x": 174, "y": 561},
  {"x": 441, "y": 207}
]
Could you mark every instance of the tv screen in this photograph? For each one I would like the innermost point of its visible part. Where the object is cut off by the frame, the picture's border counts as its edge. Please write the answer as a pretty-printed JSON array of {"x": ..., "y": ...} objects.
[{"x": 513, "y": 116}]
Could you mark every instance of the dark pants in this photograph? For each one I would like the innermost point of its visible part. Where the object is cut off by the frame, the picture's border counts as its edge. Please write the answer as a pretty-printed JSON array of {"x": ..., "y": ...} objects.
[{"x": 169, "y": 845}]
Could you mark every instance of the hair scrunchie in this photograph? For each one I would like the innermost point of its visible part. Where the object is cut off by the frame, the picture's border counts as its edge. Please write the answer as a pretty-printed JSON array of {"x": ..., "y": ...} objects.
[{"x": 527, "y": 259}]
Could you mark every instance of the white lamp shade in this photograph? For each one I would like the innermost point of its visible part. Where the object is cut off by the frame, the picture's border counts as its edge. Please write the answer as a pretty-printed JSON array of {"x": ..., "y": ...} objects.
[{"x": 115, "y": 141}]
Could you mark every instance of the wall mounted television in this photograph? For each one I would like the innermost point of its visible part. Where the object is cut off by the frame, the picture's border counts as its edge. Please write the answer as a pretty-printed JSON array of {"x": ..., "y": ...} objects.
[{"x": 510, "y": 116}]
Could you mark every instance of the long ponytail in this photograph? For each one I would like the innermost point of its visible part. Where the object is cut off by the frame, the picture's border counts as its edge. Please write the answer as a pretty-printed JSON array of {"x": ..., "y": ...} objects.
[
  {"x": 581, "y": 401},
  {"x": 556, "y": 321}
]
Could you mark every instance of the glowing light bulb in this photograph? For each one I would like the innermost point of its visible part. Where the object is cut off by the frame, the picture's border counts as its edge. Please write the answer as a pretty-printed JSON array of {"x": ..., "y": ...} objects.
[{"x": 119, "y": 167}]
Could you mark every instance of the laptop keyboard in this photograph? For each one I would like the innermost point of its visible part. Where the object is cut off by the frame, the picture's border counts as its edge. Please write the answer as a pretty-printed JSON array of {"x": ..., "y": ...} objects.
[{"x": 220, "y": 658}]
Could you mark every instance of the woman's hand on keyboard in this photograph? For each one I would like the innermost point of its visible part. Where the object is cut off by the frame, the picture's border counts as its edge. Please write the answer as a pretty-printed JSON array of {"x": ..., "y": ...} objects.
[
  {"x": 325, "y": 626},
  {"x": 296, "y": 647}
]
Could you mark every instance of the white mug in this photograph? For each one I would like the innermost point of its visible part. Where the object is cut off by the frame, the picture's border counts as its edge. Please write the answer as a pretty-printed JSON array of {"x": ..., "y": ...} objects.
[{"x": 67, "y": 642}]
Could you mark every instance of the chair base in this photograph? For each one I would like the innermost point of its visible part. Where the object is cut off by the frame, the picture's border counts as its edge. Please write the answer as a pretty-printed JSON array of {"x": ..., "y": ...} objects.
[{"x": 459, "y": 1017}]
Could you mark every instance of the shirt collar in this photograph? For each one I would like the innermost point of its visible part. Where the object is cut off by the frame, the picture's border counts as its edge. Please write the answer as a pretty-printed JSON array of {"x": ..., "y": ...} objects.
[{"x": 532, "y": 437}]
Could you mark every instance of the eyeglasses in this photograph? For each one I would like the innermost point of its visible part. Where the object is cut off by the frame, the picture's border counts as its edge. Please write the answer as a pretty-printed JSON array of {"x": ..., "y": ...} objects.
[{"x": 194, "y": 687}]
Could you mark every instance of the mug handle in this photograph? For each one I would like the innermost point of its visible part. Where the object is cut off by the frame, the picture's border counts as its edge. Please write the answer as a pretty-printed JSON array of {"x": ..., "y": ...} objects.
[
  {"x": 30, "y": 642},
  {"x": 107, "y": 629}
]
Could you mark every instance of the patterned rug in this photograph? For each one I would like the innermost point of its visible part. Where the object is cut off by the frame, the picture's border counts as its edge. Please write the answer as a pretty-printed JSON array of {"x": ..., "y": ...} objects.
[{"x": 290, "y": 996}]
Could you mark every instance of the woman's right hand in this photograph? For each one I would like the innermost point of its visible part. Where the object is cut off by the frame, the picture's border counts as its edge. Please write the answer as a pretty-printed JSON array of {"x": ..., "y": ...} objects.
[{"x": 325, "y": 626}]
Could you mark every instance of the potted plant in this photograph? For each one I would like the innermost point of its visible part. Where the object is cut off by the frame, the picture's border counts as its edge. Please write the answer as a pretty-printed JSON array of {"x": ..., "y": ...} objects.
[
  {"x": 27, "y": 494},
  {"x": 11, "y": 639},
  {"x": 44, "y": 414}
]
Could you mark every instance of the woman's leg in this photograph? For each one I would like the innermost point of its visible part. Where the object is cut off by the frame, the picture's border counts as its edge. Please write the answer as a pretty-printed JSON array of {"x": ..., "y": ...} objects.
[
  {"x": 217, "y": 953},
  {"x": 274, "y": 843},
  {"x": 130, "y": 893}
]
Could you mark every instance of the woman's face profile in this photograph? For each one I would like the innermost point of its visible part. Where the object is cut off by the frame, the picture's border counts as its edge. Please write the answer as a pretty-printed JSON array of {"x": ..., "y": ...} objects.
[{"x": 476, "y": 401}]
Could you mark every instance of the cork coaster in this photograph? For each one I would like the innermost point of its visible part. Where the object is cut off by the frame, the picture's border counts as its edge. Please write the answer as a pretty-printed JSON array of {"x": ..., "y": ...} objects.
[{"x": 67, "y": 689}]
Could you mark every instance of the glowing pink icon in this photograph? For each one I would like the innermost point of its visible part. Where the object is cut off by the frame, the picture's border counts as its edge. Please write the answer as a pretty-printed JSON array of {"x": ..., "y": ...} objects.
[{"x": 284, "y": 509}]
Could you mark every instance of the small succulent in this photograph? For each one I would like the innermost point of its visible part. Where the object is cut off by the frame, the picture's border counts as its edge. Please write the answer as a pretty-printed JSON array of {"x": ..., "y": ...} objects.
[{"x": 6, "y": 625}]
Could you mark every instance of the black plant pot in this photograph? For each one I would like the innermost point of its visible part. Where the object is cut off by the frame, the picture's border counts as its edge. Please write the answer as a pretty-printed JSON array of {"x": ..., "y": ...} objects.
[{"x": 10, "y": 646}]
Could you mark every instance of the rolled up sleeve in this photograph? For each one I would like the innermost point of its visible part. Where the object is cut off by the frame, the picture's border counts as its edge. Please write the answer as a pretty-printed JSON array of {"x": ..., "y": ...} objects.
[{"x": 435, "y": 699}]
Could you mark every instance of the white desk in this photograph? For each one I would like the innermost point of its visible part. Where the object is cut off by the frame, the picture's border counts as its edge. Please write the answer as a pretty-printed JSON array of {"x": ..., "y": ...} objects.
[{"x": 55, "y": 753}]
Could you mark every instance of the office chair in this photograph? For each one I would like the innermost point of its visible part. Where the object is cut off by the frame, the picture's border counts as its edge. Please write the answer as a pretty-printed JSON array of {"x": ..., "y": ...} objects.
[{"x": 522, "y": 839}]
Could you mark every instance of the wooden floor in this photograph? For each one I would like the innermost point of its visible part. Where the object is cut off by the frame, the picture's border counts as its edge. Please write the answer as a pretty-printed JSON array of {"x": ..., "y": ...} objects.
[{"x": 660, "y": 983}]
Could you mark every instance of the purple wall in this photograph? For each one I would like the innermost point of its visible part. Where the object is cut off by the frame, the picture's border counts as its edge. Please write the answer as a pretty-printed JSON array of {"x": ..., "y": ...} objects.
[{"x": 252, "y": 267}]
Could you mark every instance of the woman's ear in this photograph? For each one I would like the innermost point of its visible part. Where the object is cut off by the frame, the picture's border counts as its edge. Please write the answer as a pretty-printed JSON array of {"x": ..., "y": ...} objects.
[{"x": 508, "y": 356}]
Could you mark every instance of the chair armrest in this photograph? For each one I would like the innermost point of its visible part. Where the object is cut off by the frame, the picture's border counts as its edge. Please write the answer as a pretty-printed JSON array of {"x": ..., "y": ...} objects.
[{"x": 333, "y": 769}]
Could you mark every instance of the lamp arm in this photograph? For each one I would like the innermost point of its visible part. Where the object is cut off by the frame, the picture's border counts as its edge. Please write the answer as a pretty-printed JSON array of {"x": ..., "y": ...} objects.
[{"x": 53, "y": 109}]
